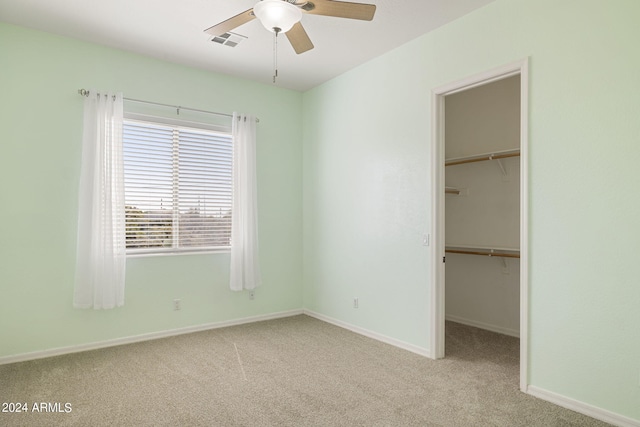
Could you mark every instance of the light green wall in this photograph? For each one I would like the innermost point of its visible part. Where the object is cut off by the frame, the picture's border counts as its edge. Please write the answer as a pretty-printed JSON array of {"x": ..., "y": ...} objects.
[
  {"x": 367, "y": 187},
  {"x": 40, "y": 148}
]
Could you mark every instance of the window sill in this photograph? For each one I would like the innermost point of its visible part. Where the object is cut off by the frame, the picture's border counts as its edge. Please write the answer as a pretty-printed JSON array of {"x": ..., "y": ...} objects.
[{"x": 178, "y": 253}]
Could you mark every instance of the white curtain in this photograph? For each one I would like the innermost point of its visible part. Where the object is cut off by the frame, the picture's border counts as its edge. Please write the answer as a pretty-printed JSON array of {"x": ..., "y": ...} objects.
[
  {"x": 245, "y": 268},
  {"x": 101, "y": 257}
]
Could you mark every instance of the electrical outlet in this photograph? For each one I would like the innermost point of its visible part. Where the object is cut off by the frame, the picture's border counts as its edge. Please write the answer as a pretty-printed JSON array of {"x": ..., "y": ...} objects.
[
  {"x": 355, "y": 303},
  {"x": 177, "y": 304},
  {"x": 252, "y": 295}
]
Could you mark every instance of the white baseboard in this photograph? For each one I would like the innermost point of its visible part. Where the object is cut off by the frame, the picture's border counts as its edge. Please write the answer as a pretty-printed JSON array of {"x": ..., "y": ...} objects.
[
  {"x": 367, "y": 333},
  {"x": 144, "y": 337},
  {"x": 486, "y": 326},
  {"x": 583, "y": 408}
]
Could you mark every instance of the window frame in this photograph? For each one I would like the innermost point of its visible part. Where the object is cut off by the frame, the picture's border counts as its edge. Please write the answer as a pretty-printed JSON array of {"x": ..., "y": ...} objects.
[{"x": 178, "y": 124}]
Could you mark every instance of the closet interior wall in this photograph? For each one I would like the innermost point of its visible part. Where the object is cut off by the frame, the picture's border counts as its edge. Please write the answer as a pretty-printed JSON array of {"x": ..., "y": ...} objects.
[{"x": 482, "y": 207}]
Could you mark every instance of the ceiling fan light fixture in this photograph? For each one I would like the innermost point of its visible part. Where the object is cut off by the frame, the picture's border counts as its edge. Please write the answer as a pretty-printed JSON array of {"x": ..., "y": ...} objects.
[{"x": 277, "y": 14}]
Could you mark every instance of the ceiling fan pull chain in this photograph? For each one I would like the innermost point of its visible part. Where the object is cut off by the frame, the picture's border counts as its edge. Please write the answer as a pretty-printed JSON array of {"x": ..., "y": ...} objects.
[{"x": 276, "y": 31}]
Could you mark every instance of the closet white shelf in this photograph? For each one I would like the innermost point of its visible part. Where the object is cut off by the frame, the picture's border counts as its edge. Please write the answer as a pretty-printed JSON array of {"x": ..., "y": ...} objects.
[
  {"x": 484, "y": 251},
  {"x": 482, "y": 157}
]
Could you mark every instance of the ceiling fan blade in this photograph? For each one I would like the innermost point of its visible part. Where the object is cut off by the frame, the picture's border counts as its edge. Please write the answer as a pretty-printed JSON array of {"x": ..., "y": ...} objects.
[
  {"x": 231, "y": 23},
  {"x": 341, "y": 9},
  {"x": 299, "y": 39}
]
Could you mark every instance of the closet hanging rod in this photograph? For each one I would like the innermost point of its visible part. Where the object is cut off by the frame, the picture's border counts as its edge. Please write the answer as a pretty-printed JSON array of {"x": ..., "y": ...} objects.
[
  {"x": 85, "y": 92},
  {"x": 490, "y": 253},
  {"x": 496, "y": 156}
]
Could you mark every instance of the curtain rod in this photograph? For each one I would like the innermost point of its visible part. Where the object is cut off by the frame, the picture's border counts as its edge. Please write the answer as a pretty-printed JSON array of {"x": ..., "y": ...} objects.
[{"x": 85, "y": 92}]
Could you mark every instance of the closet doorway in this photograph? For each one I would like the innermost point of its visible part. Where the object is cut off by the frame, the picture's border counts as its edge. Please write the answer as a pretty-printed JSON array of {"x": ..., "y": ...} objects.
[{"x": 479, "y": 218}]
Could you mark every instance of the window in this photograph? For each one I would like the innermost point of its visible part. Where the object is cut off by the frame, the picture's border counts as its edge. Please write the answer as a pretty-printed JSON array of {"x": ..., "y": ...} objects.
[{"x": 178, "y": 192}]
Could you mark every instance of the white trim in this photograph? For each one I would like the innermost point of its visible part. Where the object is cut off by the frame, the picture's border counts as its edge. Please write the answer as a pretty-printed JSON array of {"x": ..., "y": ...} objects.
[
  {"x": 481, "y": 79},
  {"x": 437, "y": 212},
  {"x": 370, "y": 334},
  {"x": 144, "y": 337},
  {"x": 583, "y": 408},
  {"x": 485, "y": 326},
  {"x": 437, "y": 225},
  {"x": 175, "y": 122},
  {"x": 524, "y": 224}
]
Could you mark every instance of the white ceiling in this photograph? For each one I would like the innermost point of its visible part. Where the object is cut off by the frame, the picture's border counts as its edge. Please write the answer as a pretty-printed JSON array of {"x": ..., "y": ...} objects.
[{"x": 173, "y": 30}]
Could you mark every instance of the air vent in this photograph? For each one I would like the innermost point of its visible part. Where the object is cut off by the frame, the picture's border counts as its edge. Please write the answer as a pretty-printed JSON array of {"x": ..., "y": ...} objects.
[
  {"x": 229, "y": 39},
  {"x": 308, "y": 6}
]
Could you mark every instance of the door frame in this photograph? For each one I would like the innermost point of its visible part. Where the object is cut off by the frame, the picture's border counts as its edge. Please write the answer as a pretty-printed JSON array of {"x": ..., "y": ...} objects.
[{"x": 438, "y": 95}]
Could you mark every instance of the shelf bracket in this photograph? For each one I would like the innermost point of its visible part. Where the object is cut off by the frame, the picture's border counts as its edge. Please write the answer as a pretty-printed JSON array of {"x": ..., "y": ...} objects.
[
  {"x": 505, "y": 266},
  {"x": 456, "y": 191},
  {"x": 502, "y": 168}
]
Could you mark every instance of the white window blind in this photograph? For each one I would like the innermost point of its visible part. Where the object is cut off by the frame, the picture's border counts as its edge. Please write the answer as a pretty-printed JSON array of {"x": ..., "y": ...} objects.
[{"x": 178, "y": 192}]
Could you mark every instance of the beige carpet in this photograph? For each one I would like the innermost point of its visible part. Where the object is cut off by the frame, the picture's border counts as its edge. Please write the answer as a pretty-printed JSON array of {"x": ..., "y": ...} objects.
[{"x": 296, "y": 371}]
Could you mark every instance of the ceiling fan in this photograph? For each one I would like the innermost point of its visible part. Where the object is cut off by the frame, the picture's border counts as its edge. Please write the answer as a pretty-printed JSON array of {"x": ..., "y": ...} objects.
[{"x": 284, "y": 16}]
